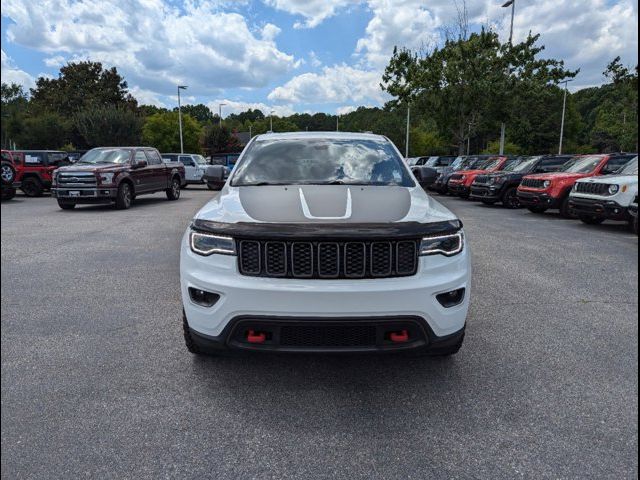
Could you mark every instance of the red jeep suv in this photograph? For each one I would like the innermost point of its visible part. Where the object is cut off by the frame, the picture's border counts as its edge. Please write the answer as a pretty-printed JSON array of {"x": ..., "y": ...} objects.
[
  {"x": 460, "y": 182},
  {"x": 546, "y": 191}
]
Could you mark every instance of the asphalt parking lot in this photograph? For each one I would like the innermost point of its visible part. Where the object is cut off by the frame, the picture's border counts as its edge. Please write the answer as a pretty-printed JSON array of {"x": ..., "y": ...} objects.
[{"x": 96, "y": 381}]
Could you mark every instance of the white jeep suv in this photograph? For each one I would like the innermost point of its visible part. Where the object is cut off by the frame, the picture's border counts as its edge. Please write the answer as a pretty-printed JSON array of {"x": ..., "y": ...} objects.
[
  {"x": 597, "y": 199},
  {"x": 324, "y": 242}
]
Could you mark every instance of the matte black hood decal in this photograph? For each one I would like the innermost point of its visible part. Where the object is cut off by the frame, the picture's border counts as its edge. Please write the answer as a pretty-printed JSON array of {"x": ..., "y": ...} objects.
[{"x": 324, "y": 203}]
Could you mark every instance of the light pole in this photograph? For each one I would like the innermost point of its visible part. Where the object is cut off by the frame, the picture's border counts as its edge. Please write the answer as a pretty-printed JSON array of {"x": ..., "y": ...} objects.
[
  {"x": 180, "y": 87},
  {"x": 337, "y": 122},
  {"x": 271, "y": 120},
  {"x": 220, "y": 105},
  {"x": 250, "y": 136},
  {"x": 406, "y": 147},
  {"x": 512, "y": 4},
  {"x": 564, "y": 109},
  {"x": 503, "y": 127}
]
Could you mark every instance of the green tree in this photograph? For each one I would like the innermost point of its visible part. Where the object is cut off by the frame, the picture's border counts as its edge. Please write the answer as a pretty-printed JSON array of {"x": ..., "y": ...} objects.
[
  {"x": 47, "y": 130},
  {"x": 200, "y": 112},
  {"x": 14, "y": 107},
  {"x": 219, "y": 139},
  {"x": 162, "y": 131},
  {"x": 108, "y": 126},
  {"x": 470, "y": 84},
  {"x": 79, "y": 86}
]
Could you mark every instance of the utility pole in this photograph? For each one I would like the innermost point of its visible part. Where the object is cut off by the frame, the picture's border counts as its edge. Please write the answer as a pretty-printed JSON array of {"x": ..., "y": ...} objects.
[
  {"x": 180, "y": 87},
  {"x": 337, "y": 123},
  {"x": 220, "y": 105},
  {"x": 406, "y": 147},
  {"x": 564, "y": 109},
  {"x": 271, "y": 120},
  {"x": 503, "y": 127}
]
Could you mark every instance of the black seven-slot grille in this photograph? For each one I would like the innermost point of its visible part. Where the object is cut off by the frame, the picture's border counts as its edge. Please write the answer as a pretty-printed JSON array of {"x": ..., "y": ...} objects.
[
  {"x": 326, "y": 259},
  {"x": 533, "y": 183},
  {"x": 592, "y": 188},
  {"x": 482, "y": 179}
]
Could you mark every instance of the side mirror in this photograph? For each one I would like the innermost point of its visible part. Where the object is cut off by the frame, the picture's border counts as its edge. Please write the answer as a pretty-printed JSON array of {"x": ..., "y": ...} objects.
[
  {"x": 425, "y": 175},
  {"x": 139, "y": 163},
  {"x": 214, "y": 174}
]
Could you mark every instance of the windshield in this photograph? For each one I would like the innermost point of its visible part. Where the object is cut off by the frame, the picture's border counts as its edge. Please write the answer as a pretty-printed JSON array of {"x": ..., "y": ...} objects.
[
  {"x": 106, "y": 155},
  {"x": 200, "y": 160},
  {"x": 321, "y": 161},
  {"x": 631, "y": 168},
  {"x": 582, "y": 164},
  {"x": 170, "y": 157},
  {"x": 524, "y": 165},
  {"x": 489, "y": 164},
  {"x": 457, "y": 163}
]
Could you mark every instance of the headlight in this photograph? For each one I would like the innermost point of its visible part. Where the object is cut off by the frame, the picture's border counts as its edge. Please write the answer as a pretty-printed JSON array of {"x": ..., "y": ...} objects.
[
  {"x": 613, "y": 189},
  {"x": 106, "y": 178},
  {"x": 207, "y": 244},
  {"x": 547, "y": 183},
  {"x": 447, "y": 245}
]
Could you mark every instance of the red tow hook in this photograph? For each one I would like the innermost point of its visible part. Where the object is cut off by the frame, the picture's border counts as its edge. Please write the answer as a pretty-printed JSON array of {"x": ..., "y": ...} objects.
[
  {"x": 399, "y": 337},
  {"x": 253, "y": 337}
]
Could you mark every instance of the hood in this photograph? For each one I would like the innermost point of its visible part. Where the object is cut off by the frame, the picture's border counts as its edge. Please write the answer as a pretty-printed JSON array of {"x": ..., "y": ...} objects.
[
  {"x": 92, "y": 168},
  {"x": 559, "y": 176},
  {"x": 471, "y": 172},
  {"x": 323, "y": 204},
  {"x": 611, "y": 179}
]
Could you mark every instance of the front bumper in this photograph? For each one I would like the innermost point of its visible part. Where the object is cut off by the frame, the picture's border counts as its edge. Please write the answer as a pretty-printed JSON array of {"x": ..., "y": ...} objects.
[
  {"x": 459, "y": 189},
  {"x": 599, "y": 208},
  {"x": 534, "y": 199},
  {"x": 86, "y": 195},
  {"x": 486, "y": 192},
  {"x": 303, "y": 301}
]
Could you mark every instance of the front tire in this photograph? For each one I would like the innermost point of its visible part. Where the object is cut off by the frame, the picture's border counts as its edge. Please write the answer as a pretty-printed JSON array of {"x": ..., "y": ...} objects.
[
  {"x": 124, "y": 197},
  {"x": 191, "y": 345},
  {"x": 8, "y": 173},
  {"x": 565, "y": 210},
  {"x": 510, "y": 199},
  {"x": 173, "y": 192},
  {"x": 66, "y": 205},
  {"x": 32, "y": 187},
  {"x": 488, "y": 202},
  {"x": 591, "y": 220}
]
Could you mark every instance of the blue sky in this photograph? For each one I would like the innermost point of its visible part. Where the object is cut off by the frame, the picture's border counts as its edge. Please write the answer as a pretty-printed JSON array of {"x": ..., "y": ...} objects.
[{"x": 286, "y": 55}]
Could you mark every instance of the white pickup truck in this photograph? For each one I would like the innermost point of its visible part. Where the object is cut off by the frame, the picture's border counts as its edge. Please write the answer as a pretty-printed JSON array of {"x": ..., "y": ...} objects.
[
  {"x": 607, "y": 197},
  {"x": 194, "y": 166}
]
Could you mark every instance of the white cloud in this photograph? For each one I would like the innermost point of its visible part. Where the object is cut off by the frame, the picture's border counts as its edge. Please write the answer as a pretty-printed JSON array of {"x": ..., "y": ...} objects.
[
  {"x": 314, "y": 11},
  {"x": 55, "y": 62},
  {"x": 12, "y": 74},
  {"x": 337, "y": 84},
  {"x": 147, "y": 97},
  {"x": 346, "y": 109},
  {"x": 152, "y": 43},
  {"x": 234, "y": 106},
  {"x": 314, "y": 60},
  {"x": 587, "y": 34}
]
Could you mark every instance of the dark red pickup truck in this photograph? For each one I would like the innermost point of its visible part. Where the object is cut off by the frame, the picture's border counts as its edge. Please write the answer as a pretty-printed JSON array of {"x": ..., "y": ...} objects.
[{"x": 116, "y": 175}]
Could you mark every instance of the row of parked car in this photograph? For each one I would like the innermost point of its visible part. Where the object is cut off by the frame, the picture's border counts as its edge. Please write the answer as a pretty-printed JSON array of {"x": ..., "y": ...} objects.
[
  {"x": 593, "y": 188},
  {"x": 97, "y": 175}
]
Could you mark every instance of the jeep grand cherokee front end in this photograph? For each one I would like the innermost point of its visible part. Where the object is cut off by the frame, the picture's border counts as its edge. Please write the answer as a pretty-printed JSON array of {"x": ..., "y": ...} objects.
[{"x": 324, "y": 242}]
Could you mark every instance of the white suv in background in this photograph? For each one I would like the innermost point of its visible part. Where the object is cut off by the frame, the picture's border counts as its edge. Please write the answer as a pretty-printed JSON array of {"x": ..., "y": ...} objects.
[
  {"x": 324, "y": 242},
  {"x": 607, "y": 197}
]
